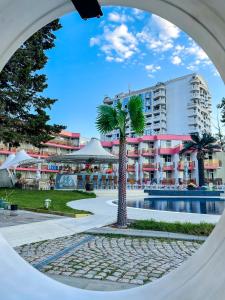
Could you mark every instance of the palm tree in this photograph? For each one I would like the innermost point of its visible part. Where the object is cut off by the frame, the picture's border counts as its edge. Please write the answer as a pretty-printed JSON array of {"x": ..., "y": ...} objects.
[
  {"x": 116, "y": 118},
  {"x": 202, "y": 145}
]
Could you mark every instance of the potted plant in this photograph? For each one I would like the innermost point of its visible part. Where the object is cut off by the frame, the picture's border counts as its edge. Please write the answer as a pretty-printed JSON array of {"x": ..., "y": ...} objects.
[
  {"x": 13, "y": 207},
  {"x": 191, "y": 186}
]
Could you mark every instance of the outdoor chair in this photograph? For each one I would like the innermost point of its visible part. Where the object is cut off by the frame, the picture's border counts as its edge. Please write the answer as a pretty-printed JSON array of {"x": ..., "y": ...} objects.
[
  {"x": 95, "y": 181},
  {"x": 115, "y": 182},
  {"x": 110, "y": 182},
  {"x": 103, "y": 182},
  {"x": 80, "y": 182}
]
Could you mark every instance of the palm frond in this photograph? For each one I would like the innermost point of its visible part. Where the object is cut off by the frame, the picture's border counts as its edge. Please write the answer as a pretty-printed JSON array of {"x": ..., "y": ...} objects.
[
  {"x": 137, "y": 117},
  {"x": 106, "y": 119},
  {"x": 195, "y": 137},
  {"x": 189, "y": 146}
]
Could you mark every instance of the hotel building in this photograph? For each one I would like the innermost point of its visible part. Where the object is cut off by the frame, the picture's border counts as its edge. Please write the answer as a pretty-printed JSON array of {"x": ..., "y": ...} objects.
[
  {"x": 64, "y": 143},
  {"x": 179, "y": 106},
  {"x": 150, "y": 158},
  {"x": 156, "y": 158}
]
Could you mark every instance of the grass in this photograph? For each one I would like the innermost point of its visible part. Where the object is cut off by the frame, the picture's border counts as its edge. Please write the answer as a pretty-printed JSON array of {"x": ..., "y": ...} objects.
[
  {"x": 202, "y": 229},
  {"x": 34, "y": 200}
]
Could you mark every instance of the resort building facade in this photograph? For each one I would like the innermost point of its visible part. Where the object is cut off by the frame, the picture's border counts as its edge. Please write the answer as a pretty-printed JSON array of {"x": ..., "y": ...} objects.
[
  {"x": 179, "y": 106},
  {"x": 64, "y": 143},
  {"x": 157, "y": 159},
  {"x": 151, "y": 158}
]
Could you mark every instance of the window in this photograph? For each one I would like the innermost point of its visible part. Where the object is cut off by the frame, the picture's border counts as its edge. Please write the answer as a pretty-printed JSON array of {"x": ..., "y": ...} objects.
[{"x": 168, "y": 144}]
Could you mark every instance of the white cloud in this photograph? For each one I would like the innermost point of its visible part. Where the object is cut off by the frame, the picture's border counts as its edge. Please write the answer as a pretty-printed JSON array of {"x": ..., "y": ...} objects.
[
  {"x": 94, "y": 41},
  {"x": 116, "y": 17},
  {"x": 166, "y": 29},
  {"x": 176, "y": 60},
  {"x": 159, "y": 34},
  {"x": 151, "y": 69},
  {"x": 198, "y": 52},
  {"x": 138, "y": 14},
  {"x": 117, "y": 43}
]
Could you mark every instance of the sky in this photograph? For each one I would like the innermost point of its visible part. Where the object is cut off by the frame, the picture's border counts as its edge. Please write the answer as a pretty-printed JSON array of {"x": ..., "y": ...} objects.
[{"x": 125, "y": 49}]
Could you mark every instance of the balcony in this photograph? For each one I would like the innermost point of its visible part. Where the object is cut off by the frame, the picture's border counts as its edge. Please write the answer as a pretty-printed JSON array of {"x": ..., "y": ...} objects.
[
  {"x": 148, "y": 152},
  {"x": 160, "y": 101},
  {"x": 160, "y": 93},
  {"x": 160, "y": 117},
  {"x": 168, "y": 151},
  {"x": 130, "y": 168},
  {"x": 133, "y": 153},
  {"x": 62, "y": 145},
  {"x": 191, "y": 165},
  {"x": 168, "y": 166},
  {"x": 149, "y": 167},
  {"x": 211, "y": 164}
]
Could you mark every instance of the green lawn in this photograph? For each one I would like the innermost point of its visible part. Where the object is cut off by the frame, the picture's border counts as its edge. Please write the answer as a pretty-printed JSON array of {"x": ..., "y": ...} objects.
[
  {"x": 34, "y": 200},
  {"x": 195, "y": 229}
]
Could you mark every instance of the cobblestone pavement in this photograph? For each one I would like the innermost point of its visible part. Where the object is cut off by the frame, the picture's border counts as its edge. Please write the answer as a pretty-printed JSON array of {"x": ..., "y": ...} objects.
[{"x": 118, "y": 259}]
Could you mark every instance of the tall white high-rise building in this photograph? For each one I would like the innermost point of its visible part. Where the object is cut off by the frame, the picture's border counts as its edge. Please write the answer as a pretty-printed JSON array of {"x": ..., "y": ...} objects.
[{"x": 179, "y": 106}]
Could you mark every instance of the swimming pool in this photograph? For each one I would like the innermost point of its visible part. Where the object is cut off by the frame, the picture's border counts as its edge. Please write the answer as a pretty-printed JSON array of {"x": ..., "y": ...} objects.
[{"x": 199, "y": 205}]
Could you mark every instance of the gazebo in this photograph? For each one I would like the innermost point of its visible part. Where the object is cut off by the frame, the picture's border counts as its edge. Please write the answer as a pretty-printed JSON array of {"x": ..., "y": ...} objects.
[{"x": 92, "y": 153}]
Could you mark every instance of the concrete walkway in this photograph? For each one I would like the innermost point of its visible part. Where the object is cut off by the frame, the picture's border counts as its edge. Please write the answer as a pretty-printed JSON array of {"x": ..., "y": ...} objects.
[
  {"x": 147, "y": 233},
  {"x": 92, "y": 284},
  {"x": 104, "y": 213}
]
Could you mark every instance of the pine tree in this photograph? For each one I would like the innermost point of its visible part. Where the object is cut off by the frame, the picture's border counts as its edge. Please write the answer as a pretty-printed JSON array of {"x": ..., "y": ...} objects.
[{"x": 23, "y": 116}]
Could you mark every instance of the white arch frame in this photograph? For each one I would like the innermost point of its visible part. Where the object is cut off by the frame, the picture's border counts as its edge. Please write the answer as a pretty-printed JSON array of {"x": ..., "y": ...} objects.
[{"x": 203, "y": 276}]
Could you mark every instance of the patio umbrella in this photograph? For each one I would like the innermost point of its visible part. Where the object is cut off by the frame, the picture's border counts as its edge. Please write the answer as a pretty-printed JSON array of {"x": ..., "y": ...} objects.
[{"x": 93, "y": 152}]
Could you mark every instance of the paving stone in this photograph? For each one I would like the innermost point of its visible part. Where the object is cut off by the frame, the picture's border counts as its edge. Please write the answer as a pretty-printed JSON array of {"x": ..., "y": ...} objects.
[{"x": 128, "y": 260}]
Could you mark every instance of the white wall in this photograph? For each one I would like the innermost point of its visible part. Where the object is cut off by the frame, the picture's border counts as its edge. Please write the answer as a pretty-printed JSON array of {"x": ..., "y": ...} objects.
[{"x": 177, "y": 97}]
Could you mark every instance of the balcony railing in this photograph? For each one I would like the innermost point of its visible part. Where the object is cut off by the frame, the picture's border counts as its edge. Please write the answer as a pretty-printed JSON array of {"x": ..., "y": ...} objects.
[
  {"x": 133, "y": 153},
  {"x": 149, "y": 166},
  {"x": 212, "y": 164},
  {"x": 191, "y": 165},
  {"x": 148, "y": 152},
  {"x": 168, "y": 166}
]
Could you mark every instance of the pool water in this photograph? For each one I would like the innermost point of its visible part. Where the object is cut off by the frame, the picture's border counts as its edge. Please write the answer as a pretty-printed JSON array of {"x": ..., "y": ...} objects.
[{"x": 213, "y": 206}]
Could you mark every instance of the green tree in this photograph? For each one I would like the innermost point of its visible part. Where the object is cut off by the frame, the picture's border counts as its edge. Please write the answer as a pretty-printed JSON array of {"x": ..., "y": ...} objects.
[
  {"x": 23, "y": 116},
  {"x": 116, "y": 118},
  {"x": 201, "y": 145}
]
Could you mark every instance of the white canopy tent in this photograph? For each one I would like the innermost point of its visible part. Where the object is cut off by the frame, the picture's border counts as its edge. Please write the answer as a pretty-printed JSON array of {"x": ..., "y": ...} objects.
[
  {"x": 7, "y": 162},
  {"x": 21, "y": 158},
  {"x": 93, "y": 152}
]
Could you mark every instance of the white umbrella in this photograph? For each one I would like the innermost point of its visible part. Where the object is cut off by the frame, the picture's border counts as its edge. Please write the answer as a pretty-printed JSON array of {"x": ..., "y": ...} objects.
[{"x": 7, "y": 161}]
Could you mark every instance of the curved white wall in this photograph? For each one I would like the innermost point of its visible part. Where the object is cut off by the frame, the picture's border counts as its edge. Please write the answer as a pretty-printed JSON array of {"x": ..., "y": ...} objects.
[{"x": 203, "y": 276}]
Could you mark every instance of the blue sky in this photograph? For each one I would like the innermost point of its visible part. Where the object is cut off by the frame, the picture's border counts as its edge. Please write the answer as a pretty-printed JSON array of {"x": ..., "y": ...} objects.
[{"x": 126, "y": 48}]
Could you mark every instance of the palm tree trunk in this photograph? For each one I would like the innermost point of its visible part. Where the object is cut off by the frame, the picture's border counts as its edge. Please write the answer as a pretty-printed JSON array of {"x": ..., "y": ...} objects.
[
  {"x": 201, "y": 171},
  {"x": 122, "y": 186}
]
